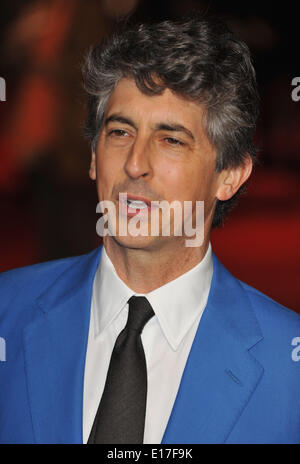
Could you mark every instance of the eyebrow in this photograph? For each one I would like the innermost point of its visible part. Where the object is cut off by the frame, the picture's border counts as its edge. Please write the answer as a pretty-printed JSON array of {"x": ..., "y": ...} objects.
[
  {"x": 173, "y": 127},
  {"x": 170, "y": 126},
  {"x": 121, "y": 119}
]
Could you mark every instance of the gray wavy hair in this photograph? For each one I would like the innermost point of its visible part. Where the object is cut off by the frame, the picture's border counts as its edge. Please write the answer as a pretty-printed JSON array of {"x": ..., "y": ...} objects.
[{"x": 200, "y": 60}]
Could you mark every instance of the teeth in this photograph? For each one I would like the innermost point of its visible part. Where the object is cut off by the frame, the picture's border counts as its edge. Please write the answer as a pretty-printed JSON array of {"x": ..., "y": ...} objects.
[{"x": 137, "y": 204}]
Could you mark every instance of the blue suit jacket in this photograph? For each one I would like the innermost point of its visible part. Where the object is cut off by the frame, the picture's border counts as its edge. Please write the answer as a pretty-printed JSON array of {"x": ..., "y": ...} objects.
[{"x": 240, "y": 383}]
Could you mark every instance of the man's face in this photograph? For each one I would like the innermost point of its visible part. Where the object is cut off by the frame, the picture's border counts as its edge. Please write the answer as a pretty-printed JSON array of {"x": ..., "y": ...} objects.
[{"x": 153, "y": 148}]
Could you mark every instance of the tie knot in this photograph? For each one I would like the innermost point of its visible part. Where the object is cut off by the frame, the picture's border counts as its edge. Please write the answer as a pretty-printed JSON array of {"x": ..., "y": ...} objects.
[{"x": 140, "y": 311}]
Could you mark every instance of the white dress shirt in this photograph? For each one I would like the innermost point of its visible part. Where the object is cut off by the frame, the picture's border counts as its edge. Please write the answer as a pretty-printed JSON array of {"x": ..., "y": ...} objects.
[{"x": 167, "y": 338}]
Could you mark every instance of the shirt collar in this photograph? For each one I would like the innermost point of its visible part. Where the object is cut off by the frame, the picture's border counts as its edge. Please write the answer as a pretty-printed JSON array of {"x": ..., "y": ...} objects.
[{"x": 176, "y": 304}]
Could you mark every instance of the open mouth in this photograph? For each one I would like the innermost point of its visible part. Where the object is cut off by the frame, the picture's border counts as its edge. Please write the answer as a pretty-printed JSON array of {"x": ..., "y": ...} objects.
[
  {"x": 136, "y": 204},
  {"x": 131, "y": 205}
]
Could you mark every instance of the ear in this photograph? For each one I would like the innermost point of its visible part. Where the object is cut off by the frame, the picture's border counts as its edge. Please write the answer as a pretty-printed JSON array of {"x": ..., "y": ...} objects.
[
  {"x": 92, "y": 171},
  {"x": 232, "y": 179}
]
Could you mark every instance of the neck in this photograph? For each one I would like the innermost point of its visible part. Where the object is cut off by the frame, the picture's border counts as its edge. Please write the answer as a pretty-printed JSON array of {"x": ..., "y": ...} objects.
[{"x": 145, "y": 269}]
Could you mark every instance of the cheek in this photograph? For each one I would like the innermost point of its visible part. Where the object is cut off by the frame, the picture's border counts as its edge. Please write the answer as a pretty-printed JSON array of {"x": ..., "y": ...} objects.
[
  {"x": 180, "y": 183},
  {"x": 193, "y": 185},
  {"x": 171, "y": 181},
  {"x": 106, "y": 172}
]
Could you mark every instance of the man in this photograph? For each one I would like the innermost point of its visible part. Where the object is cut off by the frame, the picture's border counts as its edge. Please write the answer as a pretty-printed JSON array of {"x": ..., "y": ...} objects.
[{"x": 146, "y": 339}]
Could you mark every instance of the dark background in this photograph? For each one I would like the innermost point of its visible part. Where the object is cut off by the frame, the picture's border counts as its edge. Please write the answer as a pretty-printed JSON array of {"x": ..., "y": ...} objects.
[{"x": 48, "y": 203}]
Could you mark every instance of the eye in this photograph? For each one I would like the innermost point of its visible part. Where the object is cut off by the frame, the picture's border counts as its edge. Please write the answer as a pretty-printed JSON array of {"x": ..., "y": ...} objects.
[
  {"x": 173, "y": 141},
  {"x": 118, "y": 133}
]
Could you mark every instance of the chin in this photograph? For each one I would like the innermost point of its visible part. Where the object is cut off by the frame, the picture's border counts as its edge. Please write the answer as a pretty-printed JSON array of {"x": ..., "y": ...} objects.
[
  {"x": 138, "y": 242},
  {"x": 141, "y": 243}
]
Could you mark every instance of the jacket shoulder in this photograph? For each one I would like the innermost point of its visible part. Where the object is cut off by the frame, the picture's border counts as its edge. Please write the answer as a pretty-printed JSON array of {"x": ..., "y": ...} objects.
[
  {"x": 20, "y": 287},
  {"x": 279, "y": 349},
  {"x": 34, "y": 277},
  {"x": 270, "y": 312}
]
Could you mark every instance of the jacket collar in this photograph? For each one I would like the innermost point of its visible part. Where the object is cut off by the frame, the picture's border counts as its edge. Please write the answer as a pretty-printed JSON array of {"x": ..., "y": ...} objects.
[{"x": 219, "y": 377}]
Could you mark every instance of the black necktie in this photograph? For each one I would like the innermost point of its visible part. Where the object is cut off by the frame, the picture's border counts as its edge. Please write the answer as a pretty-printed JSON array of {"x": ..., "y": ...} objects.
[{"x": 120, "y": 418}]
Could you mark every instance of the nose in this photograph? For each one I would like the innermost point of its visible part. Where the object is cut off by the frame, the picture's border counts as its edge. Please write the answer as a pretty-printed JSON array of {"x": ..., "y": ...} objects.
[{"x": 138, "y": 162}]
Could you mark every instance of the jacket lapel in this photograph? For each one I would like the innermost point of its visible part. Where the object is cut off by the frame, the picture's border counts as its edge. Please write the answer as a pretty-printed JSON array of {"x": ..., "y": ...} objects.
[
  {"x": 220, "y": 375},
  {"x": 55, "y": 347}
]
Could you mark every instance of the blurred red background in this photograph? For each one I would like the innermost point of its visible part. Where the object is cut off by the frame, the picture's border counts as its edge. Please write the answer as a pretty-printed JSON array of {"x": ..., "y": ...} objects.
[{"x": 48, "y": 203}]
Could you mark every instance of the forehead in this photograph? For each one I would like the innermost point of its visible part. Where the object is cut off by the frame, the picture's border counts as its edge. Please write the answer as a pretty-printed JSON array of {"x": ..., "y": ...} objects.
[{"x": 127, "y": 99}]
